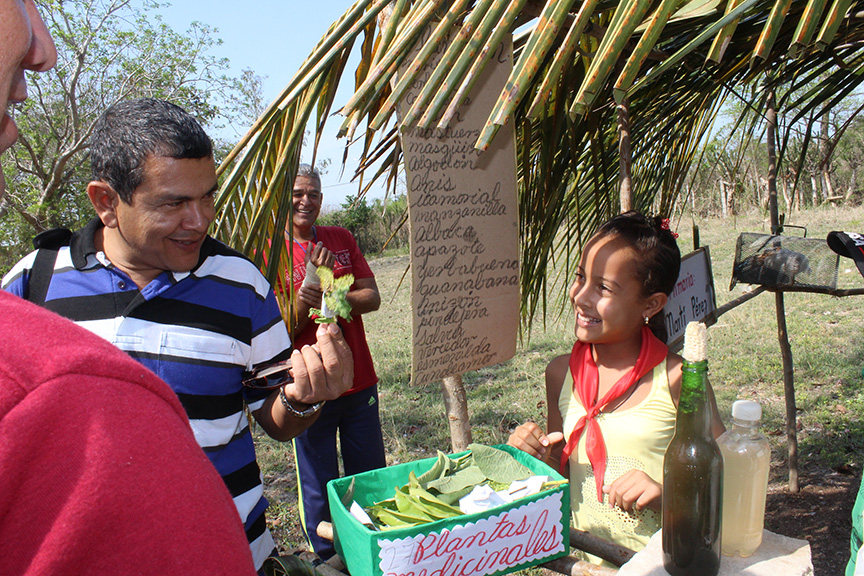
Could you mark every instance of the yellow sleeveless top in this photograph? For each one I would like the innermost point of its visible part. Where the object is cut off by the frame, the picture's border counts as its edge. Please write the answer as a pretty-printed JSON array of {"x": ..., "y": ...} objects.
[{"x": 637, "y": 438}]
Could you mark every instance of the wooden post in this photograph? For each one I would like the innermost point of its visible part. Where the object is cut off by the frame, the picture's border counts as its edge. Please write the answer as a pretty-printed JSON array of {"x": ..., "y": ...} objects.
[
  {"x": 456, "y": 406},
  {"x": 625, "y": 157},
  {"x": 782, "y": 334},
  {"x": 771, "y": 134},
  {"x": 789, "y": 389},
  {"x": 609, "y": 551}
]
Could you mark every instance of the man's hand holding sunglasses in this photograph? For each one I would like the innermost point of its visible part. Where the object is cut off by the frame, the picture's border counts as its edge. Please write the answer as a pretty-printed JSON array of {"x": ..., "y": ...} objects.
[{"x": 300, "y": 387}]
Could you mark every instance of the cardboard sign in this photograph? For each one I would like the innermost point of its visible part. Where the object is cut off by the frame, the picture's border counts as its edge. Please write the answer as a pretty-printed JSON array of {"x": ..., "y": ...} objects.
[
  {"x": 463, "y": 219},
  {"x": 692, "y": 299},
  {"x": 499, "y": 543}
]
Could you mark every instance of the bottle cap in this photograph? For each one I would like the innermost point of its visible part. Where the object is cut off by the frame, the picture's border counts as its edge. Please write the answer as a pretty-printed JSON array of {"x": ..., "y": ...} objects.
[{"x": 746, "y": 410}]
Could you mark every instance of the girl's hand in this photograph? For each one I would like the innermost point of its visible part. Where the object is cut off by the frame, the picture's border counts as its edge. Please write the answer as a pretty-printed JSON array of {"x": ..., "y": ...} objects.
[
  {"x": 633, "y": 491},
  {"x": 530, "y": 438}
]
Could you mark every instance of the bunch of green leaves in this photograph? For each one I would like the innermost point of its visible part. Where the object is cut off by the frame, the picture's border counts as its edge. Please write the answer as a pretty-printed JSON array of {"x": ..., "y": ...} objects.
[
  {"x": 335, "y": 296},
  {"x": 435, "y": 494}
]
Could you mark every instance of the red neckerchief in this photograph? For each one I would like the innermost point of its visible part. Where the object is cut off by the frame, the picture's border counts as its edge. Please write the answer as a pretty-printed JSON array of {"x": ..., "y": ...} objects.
[{"x": 585, "y": 384}]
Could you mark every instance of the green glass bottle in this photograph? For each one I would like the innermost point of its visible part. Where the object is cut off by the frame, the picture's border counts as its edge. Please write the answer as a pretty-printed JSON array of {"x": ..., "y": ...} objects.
[{"x": 692, "y": 477}]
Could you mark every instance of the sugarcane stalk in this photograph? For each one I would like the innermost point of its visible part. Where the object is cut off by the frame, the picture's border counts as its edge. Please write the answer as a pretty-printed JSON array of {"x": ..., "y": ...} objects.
[
  {"x": 721, "y": 41},
  {"x": 373, "y": 51},
  {"x": 510, "y": 88},
  {"x": 552, "y": 17},
  {"x": 701, "y": 38},
  {"x": 484, "y": 41},
  {"x": 806, "y": 26},
  {"x": 550, "y": 23},
  {"x": 770, "y": 31},
  {"x": 389, "y": 31},
  {"x": 406, "y": 38},
  {"x": 410, "y": 74},
  {"x": 451, "y": 54},
  {"x": 562, "y": 56},
  {"x": 604, "y": 61},
  {"x": 646, "y": 43},
  {"x": 832, "y": 23}
]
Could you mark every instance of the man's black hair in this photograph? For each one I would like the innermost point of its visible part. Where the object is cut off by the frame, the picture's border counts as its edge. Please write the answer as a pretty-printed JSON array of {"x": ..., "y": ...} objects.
[{"x": 128, "y": 132}]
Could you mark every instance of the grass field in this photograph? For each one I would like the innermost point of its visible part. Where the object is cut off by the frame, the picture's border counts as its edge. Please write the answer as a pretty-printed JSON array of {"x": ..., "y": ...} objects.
[{"x": 825, "y": 334}]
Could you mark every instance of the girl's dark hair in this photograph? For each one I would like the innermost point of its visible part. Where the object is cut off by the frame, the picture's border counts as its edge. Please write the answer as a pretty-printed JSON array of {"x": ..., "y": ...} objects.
[{"x": 657, "y": 261}]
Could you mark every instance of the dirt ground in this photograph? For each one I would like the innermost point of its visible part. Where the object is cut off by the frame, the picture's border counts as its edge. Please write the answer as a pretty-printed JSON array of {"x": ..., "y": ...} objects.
[{"x": 820, "y": 513}]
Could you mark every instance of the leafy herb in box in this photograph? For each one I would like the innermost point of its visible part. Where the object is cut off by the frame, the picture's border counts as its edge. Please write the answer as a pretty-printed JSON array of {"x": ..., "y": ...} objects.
[{"x": 414, "y": 525}]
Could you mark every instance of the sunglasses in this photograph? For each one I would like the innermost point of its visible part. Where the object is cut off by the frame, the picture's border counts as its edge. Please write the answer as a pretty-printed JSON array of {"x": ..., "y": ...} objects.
[{"x": 269, "y": 377}]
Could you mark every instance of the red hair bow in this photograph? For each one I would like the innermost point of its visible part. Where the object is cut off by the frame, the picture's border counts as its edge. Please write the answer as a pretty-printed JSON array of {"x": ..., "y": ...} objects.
[{"x": 664, "y": 224}]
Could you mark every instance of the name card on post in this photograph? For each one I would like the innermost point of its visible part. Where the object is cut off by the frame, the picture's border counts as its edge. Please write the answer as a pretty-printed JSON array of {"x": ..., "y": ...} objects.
[
  {"x": 463, "y": 218},
  {"x": 692, "y": 299}
]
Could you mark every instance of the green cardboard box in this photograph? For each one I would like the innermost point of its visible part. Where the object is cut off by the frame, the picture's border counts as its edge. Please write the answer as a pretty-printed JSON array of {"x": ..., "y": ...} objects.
[{"x": 500, "y": 540}]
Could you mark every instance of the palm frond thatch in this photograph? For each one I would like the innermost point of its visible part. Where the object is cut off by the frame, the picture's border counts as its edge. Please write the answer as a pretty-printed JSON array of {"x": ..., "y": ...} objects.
[{"x": 673, "y": 60}]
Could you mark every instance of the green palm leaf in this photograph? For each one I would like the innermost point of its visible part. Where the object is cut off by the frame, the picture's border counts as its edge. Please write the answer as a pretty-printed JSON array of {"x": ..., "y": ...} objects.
[{"x": 674, "y": 62}]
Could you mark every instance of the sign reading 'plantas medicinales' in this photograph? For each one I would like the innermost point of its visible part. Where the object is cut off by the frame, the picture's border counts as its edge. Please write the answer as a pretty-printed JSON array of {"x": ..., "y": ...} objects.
[{"x": 464, "y": 234}]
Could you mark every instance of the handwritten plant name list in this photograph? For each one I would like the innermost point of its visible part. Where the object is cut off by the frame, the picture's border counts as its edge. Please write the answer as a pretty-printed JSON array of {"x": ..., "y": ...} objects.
[{"x": 464, "y": 238}]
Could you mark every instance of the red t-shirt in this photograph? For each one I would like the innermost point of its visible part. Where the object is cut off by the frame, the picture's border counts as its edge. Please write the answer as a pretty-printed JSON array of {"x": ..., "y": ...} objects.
[{"x": 349, "y": 260}]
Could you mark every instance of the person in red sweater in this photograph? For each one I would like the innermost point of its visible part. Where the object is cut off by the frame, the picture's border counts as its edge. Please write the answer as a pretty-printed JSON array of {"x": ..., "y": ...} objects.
[
  {"x": 354, "y": 415},
  {"x": 99, "y": 470}
]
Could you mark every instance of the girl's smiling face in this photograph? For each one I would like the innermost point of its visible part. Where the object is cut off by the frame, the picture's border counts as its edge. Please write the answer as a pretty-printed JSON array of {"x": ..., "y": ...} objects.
[{"x": 607, "y": 298}]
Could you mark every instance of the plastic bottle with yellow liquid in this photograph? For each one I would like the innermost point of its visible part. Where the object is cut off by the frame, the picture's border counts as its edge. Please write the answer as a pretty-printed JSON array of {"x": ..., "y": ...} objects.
[{"x": 746, "y": 463}]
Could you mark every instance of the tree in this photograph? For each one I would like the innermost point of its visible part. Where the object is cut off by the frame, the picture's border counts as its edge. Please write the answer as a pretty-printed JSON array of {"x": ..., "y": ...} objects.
[
  {"x": 358, "y": 218},
  {"x": 247, "y": 100},
  {"x": 376, "y": 226},
  {"x": 108, "y": 50}
]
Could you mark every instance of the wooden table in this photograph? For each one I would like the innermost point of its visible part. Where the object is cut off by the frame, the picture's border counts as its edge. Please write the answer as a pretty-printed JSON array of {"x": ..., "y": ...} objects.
[{"x": 777, "y": 556}]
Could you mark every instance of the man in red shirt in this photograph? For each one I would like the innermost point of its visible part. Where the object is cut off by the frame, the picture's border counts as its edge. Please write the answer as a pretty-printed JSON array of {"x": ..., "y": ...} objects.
[{"x": 355, "y": 414}]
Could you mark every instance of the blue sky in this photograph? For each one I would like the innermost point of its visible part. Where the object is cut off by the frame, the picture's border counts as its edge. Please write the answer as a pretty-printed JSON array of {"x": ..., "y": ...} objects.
[{"x": 272, "y": 38}]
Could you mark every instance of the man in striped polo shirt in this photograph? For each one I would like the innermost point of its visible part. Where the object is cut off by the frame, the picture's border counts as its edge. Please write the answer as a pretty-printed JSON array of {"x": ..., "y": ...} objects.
[{"x": 145, "y": 276}]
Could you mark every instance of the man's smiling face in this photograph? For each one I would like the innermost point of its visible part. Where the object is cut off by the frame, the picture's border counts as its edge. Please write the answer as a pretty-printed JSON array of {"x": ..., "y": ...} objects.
[
  {"x": 27, "y": 45},
  {"x": 307, "y": 202},
  {"x": 166, "y": 223}
]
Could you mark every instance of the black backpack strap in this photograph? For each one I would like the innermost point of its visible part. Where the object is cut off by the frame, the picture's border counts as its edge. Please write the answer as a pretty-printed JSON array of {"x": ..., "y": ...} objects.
[{"x": 48, "y": 244}]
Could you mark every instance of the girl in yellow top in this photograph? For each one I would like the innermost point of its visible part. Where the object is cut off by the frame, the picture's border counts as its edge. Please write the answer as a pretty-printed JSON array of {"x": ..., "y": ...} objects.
[{"x": 612, "y": 401}]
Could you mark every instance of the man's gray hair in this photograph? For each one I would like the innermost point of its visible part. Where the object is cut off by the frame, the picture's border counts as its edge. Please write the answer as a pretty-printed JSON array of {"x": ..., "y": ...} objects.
[{"x": 308, "y": 171}]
